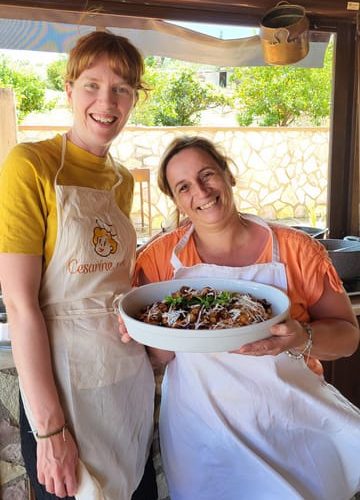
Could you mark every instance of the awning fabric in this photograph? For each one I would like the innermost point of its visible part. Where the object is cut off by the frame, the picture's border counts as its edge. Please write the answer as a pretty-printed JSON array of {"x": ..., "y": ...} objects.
[{"x": 152, "y": 37}]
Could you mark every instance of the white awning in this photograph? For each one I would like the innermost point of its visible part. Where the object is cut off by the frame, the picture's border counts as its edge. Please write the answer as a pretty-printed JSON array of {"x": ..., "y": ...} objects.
[{"x": 152, "y": 37}]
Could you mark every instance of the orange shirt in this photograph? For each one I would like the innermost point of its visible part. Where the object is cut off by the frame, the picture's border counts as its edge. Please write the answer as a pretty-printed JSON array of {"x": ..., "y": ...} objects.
[{"x": 305, "y": 259}]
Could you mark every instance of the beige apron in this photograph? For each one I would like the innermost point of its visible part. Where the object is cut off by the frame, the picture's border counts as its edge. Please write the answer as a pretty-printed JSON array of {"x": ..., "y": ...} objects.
[
  {"x": 106, "y": 387},
  {"x": 238, "y": 427}
]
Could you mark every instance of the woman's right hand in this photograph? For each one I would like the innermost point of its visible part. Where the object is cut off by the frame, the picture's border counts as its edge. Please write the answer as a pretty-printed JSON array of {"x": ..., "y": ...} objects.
[
  {"x": 124, "y": 334},
  {"x": 158, "y": 357},
  {"x": 57, "y": 460},
  {"x": 20, "y": 276}
]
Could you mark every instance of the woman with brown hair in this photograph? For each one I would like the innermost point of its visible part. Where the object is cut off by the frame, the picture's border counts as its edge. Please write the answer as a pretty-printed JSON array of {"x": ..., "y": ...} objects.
[
  {"x": 256, "y": 423},
  {"x": 87, "y": 397}
]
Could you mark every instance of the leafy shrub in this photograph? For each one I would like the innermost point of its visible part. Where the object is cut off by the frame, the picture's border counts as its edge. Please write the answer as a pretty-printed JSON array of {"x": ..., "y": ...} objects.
[
  {"x": 176, "y": 98},
  {"x": 56, "y": 74},
  {"x": 28, "y": 88}
]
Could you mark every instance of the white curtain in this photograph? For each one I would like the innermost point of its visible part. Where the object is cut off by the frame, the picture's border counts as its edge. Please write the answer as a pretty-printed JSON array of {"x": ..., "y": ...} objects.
[{"x": 151, "y": 36}]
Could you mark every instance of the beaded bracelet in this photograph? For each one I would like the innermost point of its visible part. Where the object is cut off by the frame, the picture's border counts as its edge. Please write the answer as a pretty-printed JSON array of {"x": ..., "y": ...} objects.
[
  {"x": 308, "y": 344},
  {"x": 53, "y": 433}
]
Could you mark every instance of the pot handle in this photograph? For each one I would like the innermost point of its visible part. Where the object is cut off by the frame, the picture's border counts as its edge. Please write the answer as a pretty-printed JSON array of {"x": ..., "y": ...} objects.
[
  {"x": 320, "y": 232},
  {"x": 281, "y": 36},
  {"x": 352, "y": 238},
  {"x": 284, "y": 2}
]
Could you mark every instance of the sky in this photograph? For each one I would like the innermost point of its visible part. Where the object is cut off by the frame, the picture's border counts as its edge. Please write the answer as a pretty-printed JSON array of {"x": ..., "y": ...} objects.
[{"x": 33, "y": 56}]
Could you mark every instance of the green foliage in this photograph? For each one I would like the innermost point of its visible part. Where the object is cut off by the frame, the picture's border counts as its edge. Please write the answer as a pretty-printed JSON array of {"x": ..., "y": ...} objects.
[
  {"x": 28, "y": 88},
  {"x": 56, "y": 74},
  {"x": 152, "y": 61},
  {"x": 283, "y": 95},
  {"x": 146, "y": 109},
  {"x": 176, "y": 98}
]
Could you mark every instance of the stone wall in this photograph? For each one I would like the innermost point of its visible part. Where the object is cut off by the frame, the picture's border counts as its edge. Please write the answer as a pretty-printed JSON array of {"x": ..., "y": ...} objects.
[
  {"x": 281, "y": 172},
  {"x": 14, "y": 484}
]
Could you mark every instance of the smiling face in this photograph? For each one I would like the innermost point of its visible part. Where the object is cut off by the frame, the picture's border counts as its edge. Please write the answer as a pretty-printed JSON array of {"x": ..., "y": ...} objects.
[
  {"x": 101, "y": 101},
  {"x": 200, "y": 188}
]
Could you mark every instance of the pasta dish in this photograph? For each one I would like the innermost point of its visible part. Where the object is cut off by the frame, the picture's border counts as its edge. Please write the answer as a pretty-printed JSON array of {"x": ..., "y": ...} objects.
[{"x": 207, "y": 308}]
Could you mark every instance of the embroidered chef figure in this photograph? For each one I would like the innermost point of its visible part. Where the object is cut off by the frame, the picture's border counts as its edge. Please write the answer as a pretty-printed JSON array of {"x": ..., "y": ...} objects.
[{"x": 103, "y": 239}]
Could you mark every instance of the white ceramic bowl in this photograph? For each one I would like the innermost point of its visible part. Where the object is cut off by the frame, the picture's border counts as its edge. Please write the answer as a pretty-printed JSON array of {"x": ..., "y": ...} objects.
[{"x": 175, "y": 339}]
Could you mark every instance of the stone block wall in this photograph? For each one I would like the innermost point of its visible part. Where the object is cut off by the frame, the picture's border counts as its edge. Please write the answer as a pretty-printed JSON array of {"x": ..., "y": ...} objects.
[
  {"x": 281, "y": 172},
  {"x": 14, "y": 484}
]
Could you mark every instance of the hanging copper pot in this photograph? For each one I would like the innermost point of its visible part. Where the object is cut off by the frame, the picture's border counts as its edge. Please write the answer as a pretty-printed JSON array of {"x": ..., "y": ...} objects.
[{"x": 284, "y": 33}]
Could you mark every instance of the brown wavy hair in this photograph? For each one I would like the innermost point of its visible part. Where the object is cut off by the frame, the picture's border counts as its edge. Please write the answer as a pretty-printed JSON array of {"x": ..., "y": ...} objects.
[{"x": 181, "y": 143}]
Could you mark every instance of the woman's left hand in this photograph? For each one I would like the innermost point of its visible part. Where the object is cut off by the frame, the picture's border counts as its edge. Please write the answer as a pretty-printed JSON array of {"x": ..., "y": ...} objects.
[{"x": 285, "y": 336}]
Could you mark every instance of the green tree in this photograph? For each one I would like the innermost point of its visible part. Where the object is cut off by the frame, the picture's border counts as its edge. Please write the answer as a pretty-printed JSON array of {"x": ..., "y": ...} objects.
[
  {"x": 283, "y": 95},
  {"x": 176, "y": 98},
  {"x": 56, "y": 74},
  {"x": 146, "y": 109},
  {"x": 28, "y": 88}
]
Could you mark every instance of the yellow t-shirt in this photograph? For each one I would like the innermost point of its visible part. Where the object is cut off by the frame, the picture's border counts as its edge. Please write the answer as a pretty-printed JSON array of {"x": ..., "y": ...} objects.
[{"x": 28, "y": 218}]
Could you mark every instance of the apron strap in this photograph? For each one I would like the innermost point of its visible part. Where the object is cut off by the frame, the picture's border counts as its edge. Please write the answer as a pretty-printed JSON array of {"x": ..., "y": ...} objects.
[
  {"x": 275, "y": 243},
  {"x": 62, "y": 162},
  {"x": 62, "y": 159},
  {"x": 175, "y": 261},
  {"x": 117, "y": 173}
]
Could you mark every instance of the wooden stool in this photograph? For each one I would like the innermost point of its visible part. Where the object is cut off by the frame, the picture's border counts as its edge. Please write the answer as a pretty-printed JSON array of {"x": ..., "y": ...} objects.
[{"x": 142, "y": 176}]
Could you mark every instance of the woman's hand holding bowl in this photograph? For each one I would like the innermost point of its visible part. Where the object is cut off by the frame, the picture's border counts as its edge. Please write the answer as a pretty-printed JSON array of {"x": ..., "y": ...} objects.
[{"x": 285, "y": 336}]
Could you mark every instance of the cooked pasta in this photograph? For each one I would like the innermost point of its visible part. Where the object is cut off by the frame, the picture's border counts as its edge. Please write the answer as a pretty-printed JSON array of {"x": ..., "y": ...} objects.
[{"x": 207, "y": 308}]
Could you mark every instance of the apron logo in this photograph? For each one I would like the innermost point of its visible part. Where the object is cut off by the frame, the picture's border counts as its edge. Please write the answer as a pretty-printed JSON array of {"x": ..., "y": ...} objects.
[{"x": 104, "y": 239}]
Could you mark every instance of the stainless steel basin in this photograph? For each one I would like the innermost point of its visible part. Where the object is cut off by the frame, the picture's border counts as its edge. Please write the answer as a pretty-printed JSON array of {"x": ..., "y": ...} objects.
[{"x": 345, "y": 255}]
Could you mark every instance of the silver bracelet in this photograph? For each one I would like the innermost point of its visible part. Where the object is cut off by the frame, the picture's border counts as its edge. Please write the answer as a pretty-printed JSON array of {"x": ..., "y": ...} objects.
[{"x": 308, "y": 344}]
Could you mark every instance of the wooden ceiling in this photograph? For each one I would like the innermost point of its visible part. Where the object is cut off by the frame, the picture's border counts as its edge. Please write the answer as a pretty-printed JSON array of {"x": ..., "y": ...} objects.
[{"x": 322, "y": 13}]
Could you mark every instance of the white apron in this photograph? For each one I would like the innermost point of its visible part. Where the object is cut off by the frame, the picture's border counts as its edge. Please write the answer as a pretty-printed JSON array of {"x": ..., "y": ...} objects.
[
  {"x": 238, "y": 427},
  {"x": 106, "y": 387}
]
